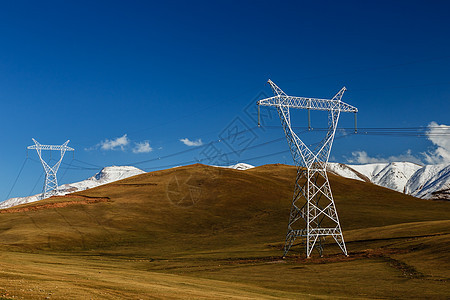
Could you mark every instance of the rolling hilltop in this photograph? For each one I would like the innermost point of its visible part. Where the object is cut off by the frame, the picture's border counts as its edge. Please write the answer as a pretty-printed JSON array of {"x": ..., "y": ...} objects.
[
  {"x": 206, "y": 232},
  {"x": 426, "y": 182},
  {"x": 106, "y": 175}
]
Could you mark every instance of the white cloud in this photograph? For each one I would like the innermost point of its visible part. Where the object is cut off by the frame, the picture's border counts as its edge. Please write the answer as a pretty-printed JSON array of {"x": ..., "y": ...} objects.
[
  {"x": 115, "y": 144},
  {"x": 122, "y": 143},
  {"x": 439, "y": 135},
  {"x": 361, "y": 157},
  {"x": 190, "y": 143},
  {"x": 142, "y": 147}
]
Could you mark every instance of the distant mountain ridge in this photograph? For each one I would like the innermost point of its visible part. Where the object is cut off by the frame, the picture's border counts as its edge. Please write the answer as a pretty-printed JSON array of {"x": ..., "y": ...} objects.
[
  {"x": 105, "y": 176},
  {"x": 426, "y": 182},
  {"x": 240, "y": 166}
]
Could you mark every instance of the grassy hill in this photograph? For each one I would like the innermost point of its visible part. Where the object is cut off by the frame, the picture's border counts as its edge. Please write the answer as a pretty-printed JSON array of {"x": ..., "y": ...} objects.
[{"x": 206, "y": 232}]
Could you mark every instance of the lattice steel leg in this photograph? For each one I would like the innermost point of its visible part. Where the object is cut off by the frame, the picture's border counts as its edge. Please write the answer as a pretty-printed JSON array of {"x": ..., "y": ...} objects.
[{"x": 312, "y": 204}]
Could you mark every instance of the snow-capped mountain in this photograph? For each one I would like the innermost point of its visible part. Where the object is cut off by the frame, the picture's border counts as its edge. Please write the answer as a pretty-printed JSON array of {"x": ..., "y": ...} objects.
[
  {"x": 430, "y": 182},
  {"x": 106, "y": 175},
  {"x": 391, "y": 175},
  {"x": 238, "y": 166},
  {"x": 18, "y": 200},
  {"x": 427, "y": 182},
  {"x": 241, "y": 166}
]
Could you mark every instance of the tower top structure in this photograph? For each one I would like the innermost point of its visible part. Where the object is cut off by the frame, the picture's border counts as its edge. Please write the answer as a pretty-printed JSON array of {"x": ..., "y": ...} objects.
[
  {"x": 51, "y": 182},
  {"x": 313, "y": 213}
]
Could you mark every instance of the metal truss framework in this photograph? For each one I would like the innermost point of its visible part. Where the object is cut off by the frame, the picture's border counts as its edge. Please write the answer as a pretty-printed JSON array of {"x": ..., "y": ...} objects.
[
  {"x": 308, "y": 218},
  {"x": 51, "y": 182}
]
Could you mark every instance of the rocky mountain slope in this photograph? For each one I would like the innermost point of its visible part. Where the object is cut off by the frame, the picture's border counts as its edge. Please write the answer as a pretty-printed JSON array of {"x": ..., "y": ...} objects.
[{"x": 426, "y": 182}]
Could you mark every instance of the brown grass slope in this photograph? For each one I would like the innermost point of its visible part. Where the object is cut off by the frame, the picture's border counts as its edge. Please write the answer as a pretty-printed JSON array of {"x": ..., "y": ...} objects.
[{"x": 224, "y": 227}]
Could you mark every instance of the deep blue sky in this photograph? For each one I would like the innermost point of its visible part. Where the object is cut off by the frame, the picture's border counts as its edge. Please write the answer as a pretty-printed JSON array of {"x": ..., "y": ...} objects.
[{"x": 92, "y": 71}]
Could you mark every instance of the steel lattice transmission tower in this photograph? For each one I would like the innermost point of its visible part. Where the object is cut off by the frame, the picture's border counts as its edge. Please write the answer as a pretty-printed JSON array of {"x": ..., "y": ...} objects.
[
  {"x": 313, "y": 213},
  {"x": 51, "y": 182}
]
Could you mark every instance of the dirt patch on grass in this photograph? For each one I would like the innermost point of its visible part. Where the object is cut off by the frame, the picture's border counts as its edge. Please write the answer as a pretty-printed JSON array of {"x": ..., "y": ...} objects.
[
  {"x": 368, "y": 253},
  {"x": 58, "y": 202},
  {"x": 384, "y": 254}
]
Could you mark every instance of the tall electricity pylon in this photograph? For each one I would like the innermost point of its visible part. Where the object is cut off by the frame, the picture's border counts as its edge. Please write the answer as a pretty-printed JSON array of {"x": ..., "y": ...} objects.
[
  {"x": 308, "y": 218},
  {"x": 51, "y": 183}
]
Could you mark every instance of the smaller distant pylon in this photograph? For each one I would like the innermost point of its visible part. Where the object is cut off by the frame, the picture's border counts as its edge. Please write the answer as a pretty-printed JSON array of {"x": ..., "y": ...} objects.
[{"x": 51, "y": 182}]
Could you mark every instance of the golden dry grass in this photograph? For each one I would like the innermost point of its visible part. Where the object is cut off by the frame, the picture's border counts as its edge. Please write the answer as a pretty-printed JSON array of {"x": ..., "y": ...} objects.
[{"x": 206, "y": 232}]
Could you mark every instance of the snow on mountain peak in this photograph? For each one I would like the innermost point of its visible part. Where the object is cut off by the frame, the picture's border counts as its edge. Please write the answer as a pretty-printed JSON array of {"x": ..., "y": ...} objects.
[
  {"x": 430, "y": 182},
  {"x": 395, "y": 175},
  {"x": 106, "y": 175},
  {"x": 238, "y": 166},
  {"x": 114, "y": 173},
  {"x": 427, "y": 182},
  {"x": 241, "y": 166}
]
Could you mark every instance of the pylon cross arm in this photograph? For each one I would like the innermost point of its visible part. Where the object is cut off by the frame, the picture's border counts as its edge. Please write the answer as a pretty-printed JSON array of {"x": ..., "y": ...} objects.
[
  {"x": 281, "y": 99},
  {"x": 51, "y": 147},
  {"x": 308, "y": 103}
]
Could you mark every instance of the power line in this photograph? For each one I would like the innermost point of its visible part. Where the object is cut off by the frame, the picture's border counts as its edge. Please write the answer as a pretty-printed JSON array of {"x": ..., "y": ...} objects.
[
  {"x": 193, "y": 149},
  {"x": 221, "y": 155},
  {"x": 77, "y": 167},
  {"x": 17, "y": 177},
  {"x": 86, "y": 163},
  {"x": 198, "y": 111},
  {"x": 382, "y": 131},
  {"x": 186, "y": 162},
  {"x": 417, "y": 132},
  {"x": 431, "y": 131},
  {"x": 37, "y": 181},
  {"x": 65, "y": 171}
]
